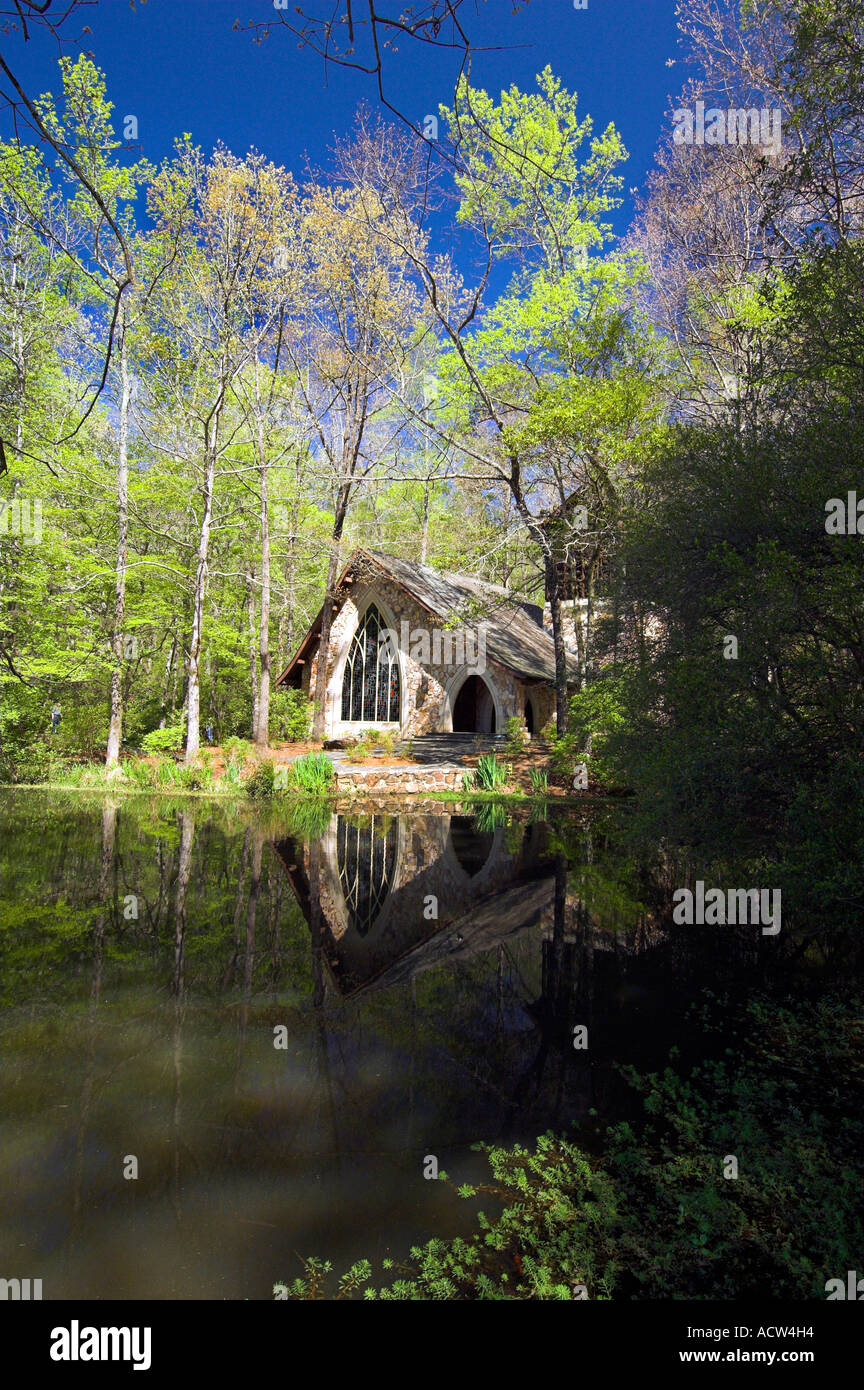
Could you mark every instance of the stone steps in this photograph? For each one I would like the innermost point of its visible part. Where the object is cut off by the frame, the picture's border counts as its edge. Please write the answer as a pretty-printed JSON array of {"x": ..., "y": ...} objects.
[{"x": 448, "y": 748}]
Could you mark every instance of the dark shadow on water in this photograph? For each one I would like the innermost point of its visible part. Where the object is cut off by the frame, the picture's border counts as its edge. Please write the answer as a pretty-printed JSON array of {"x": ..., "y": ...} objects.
[{"x": 279, "y": 1027}]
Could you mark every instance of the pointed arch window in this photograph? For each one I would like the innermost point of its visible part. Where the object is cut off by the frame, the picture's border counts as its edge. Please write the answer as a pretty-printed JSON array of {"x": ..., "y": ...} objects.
[
  {"x": 370, "y": 686},
  {"x": 367, "y": 862}
]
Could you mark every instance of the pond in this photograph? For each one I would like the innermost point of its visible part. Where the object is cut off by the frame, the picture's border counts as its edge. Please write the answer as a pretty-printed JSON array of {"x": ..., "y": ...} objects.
[{"x": 232, "y": 1038}]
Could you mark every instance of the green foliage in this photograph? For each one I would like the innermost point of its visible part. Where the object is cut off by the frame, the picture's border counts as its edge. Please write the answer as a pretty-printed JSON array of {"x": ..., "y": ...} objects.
[
  {"x": 290, "y": 715},
  {"x": 237, "y": 749},
  {"x": 514, "y": 742},
  {"x": 652, "y": 1216},
  {"x": 597, "y": 713},
  {"x": 374, "y": 741},
  {"x": 261, "y": 784},
  {"x": 539, "y": 781},
  {"x": 165, "y": 774},
  {"x": 233, "y": 774},
  {"x": 308, "y": 816},
  {"x": 489, "y": 776},
  {"x": 555, "y": 1211},
  {"x": 786, "y": 1099},
  {"x": 490, "y": 816},
  {"x": 30, "y": 763},
  {"x": 83, "y": 730},
  {"x": 313, "y": 1282},
  {"x": 167, "y": 740},
  {"x": 312, "y": 774}
]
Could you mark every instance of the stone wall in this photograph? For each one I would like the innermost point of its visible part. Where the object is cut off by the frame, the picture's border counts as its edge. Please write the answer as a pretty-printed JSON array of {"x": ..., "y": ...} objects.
[{"x": 399, "y": 781}]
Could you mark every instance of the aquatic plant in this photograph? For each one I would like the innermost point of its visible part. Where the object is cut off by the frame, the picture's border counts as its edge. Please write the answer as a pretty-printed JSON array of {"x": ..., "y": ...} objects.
[
  {"x": 489, "y": 775},
  {"x": 313, "y": 774},
  {"x": 539, "y": 781}
]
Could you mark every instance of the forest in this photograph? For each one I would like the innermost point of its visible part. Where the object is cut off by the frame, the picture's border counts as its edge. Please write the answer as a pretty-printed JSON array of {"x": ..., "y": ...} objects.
[{"x": 218, "y": 377}]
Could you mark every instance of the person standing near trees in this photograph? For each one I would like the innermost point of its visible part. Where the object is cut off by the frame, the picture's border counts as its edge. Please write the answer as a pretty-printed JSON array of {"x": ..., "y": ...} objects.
[{"x": 56, "y": 715}]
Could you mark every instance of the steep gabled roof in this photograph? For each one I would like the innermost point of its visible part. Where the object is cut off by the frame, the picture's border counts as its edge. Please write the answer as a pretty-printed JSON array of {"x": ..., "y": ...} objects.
[{"x": 514, "y": 635}]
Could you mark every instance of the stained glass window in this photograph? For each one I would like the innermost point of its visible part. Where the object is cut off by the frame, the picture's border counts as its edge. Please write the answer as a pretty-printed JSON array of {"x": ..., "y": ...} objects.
[
  {"x": 367, "y": 860},
  {"x": 370, "y": 686}
]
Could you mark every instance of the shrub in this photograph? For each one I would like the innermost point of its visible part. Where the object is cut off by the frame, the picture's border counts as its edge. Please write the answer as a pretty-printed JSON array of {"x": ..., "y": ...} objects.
[
  {"x": 262, "y": 782},
  {"x": 374, "y": 740},
  {"x": 514, "y": 736},
  {"x": 597, "y": 715},
  {"x": 233, "y": 774},
  {"x": 165, "y": 774},
  {"x": 290, "y": 715},
  {"x": 35, "y": 763},
  {"x": 140, "y": 773},
  {"x": 651, "y": 1215},
  {"x": 237, "y": 749},
  {"x": 556, "y": 1208},
  {"x": 83, "y": 727},
  {"x": 198, "y": 777},
  {"x": 167, "y": 740}
]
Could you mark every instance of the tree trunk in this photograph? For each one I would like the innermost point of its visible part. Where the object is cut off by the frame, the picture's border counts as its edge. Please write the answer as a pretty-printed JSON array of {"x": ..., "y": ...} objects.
[
  {"x": 561, "y": 707},
  {"x": 184, "y": 870},
  {"x": 424, "y": 533},
  {"x": 286, "y": 619},
  {"x": 262, "y": 727},
  {"x": 253, "y": 646},
  {"x": 193, "y": 692},
  {"x": 115, "y": 727},
  {"x": 320, "y": 695},
  {"x": 587, "y": 673}
]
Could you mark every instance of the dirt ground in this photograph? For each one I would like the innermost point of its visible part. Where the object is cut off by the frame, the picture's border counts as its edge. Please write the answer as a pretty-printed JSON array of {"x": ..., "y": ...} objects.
[{"x": 534, "y": 755}]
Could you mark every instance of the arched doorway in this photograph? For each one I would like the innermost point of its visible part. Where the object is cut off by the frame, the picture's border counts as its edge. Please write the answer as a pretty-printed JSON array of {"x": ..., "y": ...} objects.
[
  {"x": 474, "y": 708},
  {"x": 529, "y": 716},
  {"x": 471, "y": 846}
]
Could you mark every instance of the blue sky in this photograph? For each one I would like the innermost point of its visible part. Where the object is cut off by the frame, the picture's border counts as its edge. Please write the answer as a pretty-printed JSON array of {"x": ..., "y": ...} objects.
[{"x": 178, "y": 65}]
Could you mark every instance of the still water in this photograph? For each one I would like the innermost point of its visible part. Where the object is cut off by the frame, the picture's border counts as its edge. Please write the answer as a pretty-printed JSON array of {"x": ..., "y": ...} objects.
[{"x": 276, "y": 1020}]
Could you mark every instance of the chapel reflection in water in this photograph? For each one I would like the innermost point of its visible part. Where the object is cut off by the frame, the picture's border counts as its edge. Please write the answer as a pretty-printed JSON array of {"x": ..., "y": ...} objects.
[{"x": 388, "y": 896}]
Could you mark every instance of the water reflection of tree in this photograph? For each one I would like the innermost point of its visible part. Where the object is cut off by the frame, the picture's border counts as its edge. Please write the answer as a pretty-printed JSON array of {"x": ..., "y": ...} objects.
[
  {"x": 104, "y": 880},
  {"x": 476, "y": 1044},
  {"x": 184, "y": 869}
]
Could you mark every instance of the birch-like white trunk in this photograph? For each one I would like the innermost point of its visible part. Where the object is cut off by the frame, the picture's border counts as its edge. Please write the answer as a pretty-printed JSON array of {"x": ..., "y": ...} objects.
[
  {"x": 193, "y": 663},
  {"x": 262, "y": 728},
  {"x": 115, "y": 727}
]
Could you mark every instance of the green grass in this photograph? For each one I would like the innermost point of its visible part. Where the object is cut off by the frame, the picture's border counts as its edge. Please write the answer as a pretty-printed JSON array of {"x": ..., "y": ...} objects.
[
  {"x": 489, "y": 776},
  {"x": 312, "y": 774},
  {"x": 539, "y": 781}
]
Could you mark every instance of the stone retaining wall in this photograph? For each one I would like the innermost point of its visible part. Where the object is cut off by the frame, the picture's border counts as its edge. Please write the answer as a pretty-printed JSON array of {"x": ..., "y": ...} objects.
[{"x": 399, "y": 781}]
